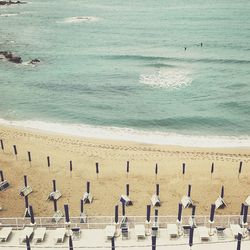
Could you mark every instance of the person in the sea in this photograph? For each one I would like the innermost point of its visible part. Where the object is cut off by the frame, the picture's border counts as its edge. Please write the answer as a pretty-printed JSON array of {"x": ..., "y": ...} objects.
[
  {"x": 201, "y": 44},
  {"x": 185, "y": 48}
]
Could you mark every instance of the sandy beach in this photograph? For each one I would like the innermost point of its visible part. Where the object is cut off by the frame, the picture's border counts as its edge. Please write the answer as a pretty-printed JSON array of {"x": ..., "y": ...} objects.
[{"x": 112, "y": 157}]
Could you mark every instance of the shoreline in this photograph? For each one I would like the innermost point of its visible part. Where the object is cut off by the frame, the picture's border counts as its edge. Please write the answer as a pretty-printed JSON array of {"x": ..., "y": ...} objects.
[
  {"x": 111, "y": 182},
  {"x": 130, "y": 135}
]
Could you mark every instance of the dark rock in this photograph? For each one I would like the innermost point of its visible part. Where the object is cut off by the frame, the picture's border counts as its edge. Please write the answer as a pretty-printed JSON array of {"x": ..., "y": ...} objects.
[
  {"x": 35, "y": 61},
  {"x": 11, "y": 2},
  {"x": 10, "y": 57}
]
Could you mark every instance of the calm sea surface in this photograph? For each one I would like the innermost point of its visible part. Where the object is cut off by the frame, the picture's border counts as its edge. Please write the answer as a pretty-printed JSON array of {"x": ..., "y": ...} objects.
[{"x": 121, "y": 66}]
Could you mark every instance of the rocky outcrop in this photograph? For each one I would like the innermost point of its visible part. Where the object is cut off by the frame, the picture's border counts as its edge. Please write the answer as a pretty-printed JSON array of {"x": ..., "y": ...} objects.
[
  {"x": 34, "y": 61},
  {"x": 10, "y": 57},
  {"x": 11, "y": 2}
]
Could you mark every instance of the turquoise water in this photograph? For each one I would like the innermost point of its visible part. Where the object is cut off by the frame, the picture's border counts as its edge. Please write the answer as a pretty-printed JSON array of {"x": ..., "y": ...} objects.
[{"x": 126, "y": 67}]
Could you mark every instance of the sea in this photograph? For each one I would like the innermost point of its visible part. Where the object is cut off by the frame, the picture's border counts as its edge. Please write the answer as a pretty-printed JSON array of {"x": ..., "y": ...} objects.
[{"x": 164, "y": 72}]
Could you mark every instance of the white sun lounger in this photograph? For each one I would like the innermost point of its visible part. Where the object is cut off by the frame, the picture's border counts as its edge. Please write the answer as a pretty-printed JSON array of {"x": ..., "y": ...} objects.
[
  {"x": 140, "y": 231},
  {"x": 220, "y": 203},
  {"x": 247, "y": 201},
  {"x": 203, "y": 232},
  {"x": 186, "y": 201},
  {"x": 27, "y": 231},
  {"x": 59, "y": 235},
  {"x": 172, "y": 230},
  {"x": 109, "y": 232},
  {"x": 5, "y": 233},
  {"x": 39, "y": 234},
  {"x": 235, "y": 229}
]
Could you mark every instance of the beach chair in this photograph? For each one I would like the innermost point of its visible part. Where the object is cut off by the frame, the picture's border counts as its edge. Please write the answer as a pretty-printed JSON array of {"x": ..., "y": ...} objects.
[
  {"x": 76, "y": 233},
  {"x": 27, "y": 231},
  {"x": 5, "y": 233},
  {"x": 203, "y": 232},
  {"x": 220, "y": 203},
  {"x": 186, "y": 230},
  {"x": 59, "y": 235},
  {"x": 25, "y": 191},
  {"x": 248, "y": 200},
  {"x": 58, "y": 215},
  {"x": 39, "y": 234},
  {"x": 55, "y": 195},
  {"x": 125, "y": 232},
  {"x": 83, "y": 217},
  {"x": 186, "y": 201},
  {"x": 4, "y": 185},
  {"x": 87, "y": 198},
  {"x": 110, "y": 232},
  {"x": 155, "y": 200},
  {"x": 235, "y": 229},
  {"x": 220, "y": 233},
  {"x": 140, "y": 232},
  {"x": 172, "y": 230},
  {"x": 126, "y": 200}
]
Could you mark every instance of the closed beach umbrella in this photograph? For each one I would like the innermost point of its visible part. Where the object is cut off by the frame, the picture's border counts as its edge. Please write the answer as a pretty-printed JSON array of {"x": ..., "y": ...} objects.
[
  {"x": 212, "y": 168},
  {"x": 55, "y": 205},
  {"x": 123, "y": 209},
  {"x": 82, "y": 206},
  {"x": 179, "y": 212},
  {"x": 25, "y": 180},
  {"x": 191, "y": 237},
  {"x": 1, "y": 175},
  {"x": 15, "y": 150},
  {"x": 222, "y": 192},
  {"x": 193, "y": 210},
  {"x": 113, "y": 243},
  {"x": 66, "y": 211},
  {"x": 32, "y": 219},
  {"x": 88, "y": 187},
  {"x": 242, "y": 209},
  {"x": 239, "y": 241},
  {"x": 97, "y": 167},
  {"x": 157, "y": 189},
  {"x": 212, "y": 210},
  {"x": 48, "y": 161},
  {"x": 189, "y": 191},
  {"x": 156, "y": 215},
  {"x": 156, "y": 169},
  {"x": 148, "y": 212},
  {"x": 27, "y": 243},
  {"x": 54, "y": 185},
  {"x": 70, "y": 243},
  {"x": 183, "y": 168},
  {"x": 29, "y": 156},
  {"x": 2, "y": 147},
  {"x": 70, "y": 166},
  {"x": 154, "y": 242},
  {"x": 116, "y": 214},
  {"x": 27, "y": 213},
  {"x": 127, "y": 189},
  {"x": 245, "y": 214},
  {"x": 127, "y": 166},
  {"x": 240, "y": 167}
]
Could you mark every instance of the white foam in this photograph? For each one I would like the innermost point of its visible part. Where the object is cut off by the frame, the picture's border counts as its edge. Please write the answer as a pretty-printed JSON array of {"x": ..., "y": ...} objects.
[
  {"x": 127, "y": 134},
  {"x": 167, "y": 78},
  {"x": 80, "y": 19},
  {"x": 8, "y": 14}
]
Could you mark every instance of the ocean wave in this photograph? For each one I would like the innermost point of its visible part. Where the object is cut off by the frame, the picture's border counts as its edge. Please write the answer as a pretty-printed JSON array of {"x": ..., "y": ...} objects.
[
  {"x": 80, "y": 19},
  {"x": 8, "y": 14},
  {"x": 133, "y": 135},
  {"x": 169, "y": 79},
  {"x": 176, "y": 59}
]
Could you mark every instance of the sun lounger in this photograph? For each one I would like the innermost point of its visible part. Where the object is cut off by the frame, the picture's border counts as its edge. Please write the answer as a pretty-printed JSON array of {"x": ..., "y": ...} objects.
[
  {"x": 140, "y": 231},
  {"x": 55, "y": 195},
  {"x": 235, "y": 229},
  {"x": 5, "y": 233},
  {"x": 220, "y": 233},
  {"x": 58, "y": 215},
  {"x": 25, "y": 191},
  {"x": 39, "y": 234},
  {"x": 172, "y": 230},
  {"x": 247, "y": 201},
  {"x": 59, "y": 235},
  {"x": 186, "y": 201},
  {"x": 203, "y": 232},
  {"x": 126, "y": 200},
  {"x": 87, "y": 198},
  {"x": 109, "y": 232},
  {"x": 155, "y": 201},
  {"x": 220, "y": 203},
  {"x": 27, "y": 231}
]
